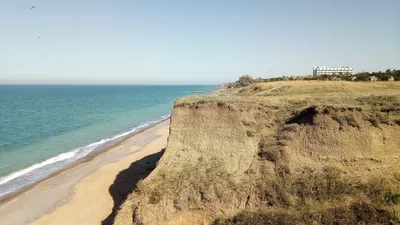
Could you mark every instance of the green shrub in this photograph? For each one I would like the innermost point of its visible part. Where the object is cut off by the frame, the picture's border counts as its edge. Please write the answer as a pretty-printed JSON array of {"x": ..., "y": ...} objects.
[{"x": 391, "y": 197}]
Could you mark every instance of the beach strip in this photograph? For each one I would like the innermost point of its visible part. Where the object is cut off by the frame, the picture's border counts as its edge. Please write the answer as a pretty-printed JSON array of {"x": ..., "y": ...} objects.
[{"x": 88, "y": 192}]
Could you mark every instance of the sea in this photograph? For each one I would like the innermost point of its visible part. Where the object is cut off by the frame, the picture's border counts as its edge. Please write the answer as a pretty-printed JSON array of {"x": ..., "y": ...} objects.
[{"x": 43, "y": 128}]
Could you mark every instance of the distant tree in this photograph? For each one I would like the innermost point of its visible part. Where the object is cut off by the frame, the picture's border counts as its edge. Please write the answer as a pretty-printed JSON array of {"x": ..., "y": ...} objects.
[
  {"x": 245, "y": 80},
  {"x": 230, "y": 85},
  {"x": 384, "y": 76},
  {"x": 259, "y": 80}
]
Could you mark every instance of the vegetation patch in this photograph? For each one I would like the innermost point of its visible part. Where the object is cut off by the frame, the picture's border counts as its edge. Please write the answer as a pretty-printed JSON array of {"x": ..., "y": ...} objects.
[
  {"x": 356, "y": 213},
  {"x": 351, "y": 120},
  {"x": 250, "y": 133},
  {"x": 190, "y": 105},
  {"x": 343, "y": 119},
  {"x": 322, "y": 197},
  {"x": 374, "y": 121},
  {"x": 322, "y": 186},
  {"x": 247, "y": 80},
  {"x": 381, "y": 103},
  {"x": 271, "y": 154},
  {"x": 244, "y": 81},
  {"x": 194, "y": 185}
]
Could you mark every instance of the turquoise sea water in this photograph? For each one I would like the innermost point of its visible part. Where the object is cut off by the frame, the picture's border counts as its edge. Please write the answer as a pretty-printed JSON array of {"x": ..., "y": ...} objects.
[{"x": 43, "y": 128}]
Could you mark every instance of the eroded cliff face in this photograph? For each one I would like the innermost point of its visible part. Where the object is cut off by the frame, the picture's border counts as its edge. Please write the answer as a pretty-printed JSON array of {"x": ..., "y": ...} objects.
[
  {"x": 209, "y": 132},
  {"x": 209, "y": 151},
  {"x": 303, "y": 159}
]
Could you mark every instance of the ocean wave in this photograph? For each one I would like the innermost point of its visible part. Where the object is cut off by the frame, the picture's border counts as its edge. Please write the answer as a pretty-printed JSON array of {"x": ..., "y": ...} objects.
[
  {"x": 19, "y": 179},
  {"x": 53, "y": 160}
]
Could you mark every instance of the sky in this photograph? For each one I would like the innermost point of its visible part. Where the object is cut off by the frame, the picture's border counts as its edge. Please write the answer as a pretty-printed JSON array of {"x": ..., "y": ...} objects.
[{"x": 191, "y": 42}]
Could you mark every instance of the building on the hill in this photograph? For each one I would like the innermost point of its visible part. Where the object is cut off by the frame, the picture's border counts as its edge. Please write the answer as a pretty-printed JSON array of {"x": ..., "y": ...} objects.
[{"x": 323, "y": 70}]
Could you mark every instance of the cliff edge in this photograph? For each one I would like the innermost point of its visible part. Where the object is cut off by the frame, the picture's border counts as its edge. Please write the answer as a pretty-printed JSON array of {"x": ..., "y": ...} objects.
[{"x": 298, "y": 152}]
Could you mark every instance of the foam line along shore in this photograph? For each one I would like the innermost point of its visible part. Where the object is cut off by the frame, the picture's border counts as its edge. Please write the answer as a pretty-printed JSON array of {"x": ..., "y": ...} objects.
[{"x": 21, "y": 179}]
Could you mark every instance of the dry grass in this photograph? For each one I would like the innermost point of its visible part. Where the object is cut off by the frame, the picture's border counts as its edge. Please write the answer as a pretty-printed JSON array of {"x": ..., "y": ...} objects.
[
  {"x": 323, "y": 197},
  {"x": 198, "y": 181},
  {"x": 313, "y": 88},
  {"x": 304, "y": 152},
  {"x": 356, "y": 213}
]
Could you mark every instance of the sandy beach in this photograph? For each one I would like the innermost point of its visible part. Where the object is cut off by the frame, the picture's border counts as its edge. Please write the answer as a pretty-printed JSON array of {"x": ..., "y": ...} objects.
[{"x": 90, "y": 192}]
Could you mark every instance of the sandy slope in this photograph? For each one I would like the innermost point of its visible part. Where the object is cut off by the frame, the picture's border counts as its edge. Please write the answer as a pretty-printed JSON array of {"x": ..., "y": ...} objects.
[
  {"x": 303, "y": 152},
  {"x": 86, "y": 193}
]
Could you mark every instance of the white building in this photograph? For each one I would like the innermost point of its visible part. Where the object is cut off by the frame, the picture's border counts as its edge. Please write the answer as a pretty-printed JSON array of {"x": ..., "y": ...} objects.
[{"x": 323, "y": 70}]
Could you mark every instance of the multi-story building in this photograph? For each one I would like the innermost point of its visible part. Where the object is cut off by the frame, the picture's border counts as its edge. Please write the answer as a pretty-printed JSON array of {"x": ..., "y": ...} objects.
[{"x": 323, "y": 70}]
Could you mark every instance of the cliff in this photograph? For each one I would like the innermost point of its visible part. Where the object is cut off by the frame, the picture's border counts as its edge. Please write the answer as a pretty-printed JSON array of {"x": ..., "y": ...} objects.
[{"x": 278, "y": 153}]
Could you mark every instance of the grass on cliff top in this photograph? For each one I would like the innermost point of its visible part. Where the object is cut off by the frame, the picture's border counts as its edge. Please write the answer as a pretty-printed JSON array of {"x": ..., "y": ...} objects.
[
  {"x": 313, "y": 88},
  {"x": 306, "y": 93}
]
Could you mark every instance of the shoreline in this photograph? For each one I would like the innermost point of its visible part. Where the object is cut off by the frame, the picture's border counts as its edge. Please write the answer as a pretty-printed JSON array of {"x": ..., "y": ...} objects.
[
  {"x": 84, "y": 159},
  {"x": 130, "y": 146}
]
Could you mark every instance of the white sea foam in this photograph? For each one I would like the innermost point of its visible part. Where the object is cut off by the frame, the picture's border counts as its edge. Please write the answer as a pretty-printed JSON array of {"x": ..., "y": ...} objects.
[
  {"x": 19, "y": 179},
  {"x": 53, "y": 160}
]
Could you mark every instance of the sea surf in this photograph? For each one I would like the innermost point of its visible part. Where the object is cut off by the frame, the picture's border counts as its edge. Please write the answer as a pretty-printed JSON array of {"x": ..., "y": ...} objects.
[{"x": 58, "y": 125}]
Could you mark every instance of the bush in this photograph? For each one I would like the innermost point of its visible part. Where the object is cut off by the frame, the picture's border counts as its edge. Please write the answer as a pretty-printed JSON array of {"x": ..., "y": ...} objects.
[
  {"x": 271, "y": 150},
  {"x": 272, "y": 155},
  {"x": 340, "y": 119},
  {"x": 383, "y": 76},
  {"x": 374, "y": 121},
  {"x": 322, "y": 186},
  {"x": 391, "y": 197},
  {"x": 221, "y": 104},
  {"x": 351, "y": 121},
  {"x": 250, "y": 133},
  {"x": 244, "y": 81}
]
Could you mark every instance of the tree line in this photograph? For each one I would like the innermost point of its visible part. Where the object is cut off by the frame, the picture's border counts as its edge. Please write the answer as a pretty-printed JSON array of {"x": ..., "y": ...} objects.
[
  {"x": 246, "y": 80},
  {"x": 383, "y": 76}
]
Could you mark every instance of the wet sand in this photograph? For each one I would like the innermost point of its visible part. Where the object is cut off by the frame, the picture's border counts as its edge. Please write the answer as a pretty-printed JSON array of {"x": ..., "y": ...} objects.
[{"x": 89, "y": 192}]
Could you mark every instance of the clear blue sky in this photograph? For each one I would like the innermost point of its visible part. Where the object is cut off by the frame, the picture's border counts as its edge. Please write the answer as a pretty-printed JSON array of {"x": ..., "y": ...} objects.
[{"x": 190, "y": 42}]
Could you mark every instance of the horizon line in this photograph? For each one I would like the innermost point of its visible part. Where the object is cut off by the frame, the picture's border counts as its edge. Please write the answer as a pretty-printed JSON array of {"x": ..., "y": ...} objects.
[{"x": 91, "y": 84}]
